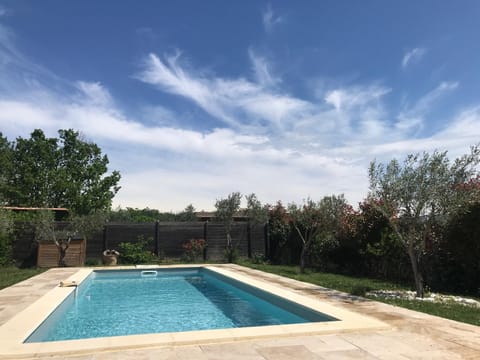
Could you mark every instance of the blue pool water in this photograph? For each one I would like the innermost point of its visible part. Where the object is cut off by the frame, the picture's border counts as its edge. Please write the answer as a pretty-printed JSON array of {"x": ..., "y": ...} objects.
[{"x": 114, "y": 303}]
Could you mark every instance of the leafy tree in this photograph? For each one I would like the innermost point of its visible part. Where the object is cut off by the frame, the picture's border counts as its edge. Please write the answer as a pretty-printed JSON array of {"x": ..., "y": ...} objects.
[
  {"x": 187, "y": 215},
  {"x": 134, "y": 215},
  {"x": 255, "y": 211},
  {"x": 64, "y": 172},
  {"x": 34, "y": 171},
  {"x": 317, "y": 223},
  {"x": 306, "y": 221},
  {"x": 381, "y": 252},
  {"x": 425, "y": 189},
  {"x": 80, "y": 182},
  {"x": 6, "y": 230},
  {"x": 226, "y": 209},
  {"x": 279, "y": 232},
  {"x": 5, "y": 166}
]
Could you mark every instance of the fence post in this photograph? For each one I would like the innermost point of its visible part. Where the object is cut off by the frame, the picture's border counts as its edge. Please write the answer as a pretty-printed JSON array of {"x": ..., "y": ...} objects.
[
  {"x": 267, "y": 241},
  {"x": 105, "y": 241},
  {"x": 249, "y": 240},
  {"x": 157, "y": 238},
  {"x": 205, "y": 234}
]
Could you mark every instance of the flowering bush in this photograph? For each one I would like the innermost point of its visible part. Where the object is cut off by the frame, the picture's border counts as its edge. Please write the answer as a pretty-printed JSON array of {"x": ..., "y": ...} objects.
[{"x": 194, "y": 249}]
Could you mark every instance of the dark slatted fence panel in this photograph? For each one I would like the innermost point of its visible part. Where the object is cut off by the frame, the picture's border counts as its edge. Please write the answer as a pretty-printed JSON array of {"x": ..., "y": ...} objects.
[
  {"x": 171, "y": 236},
  {"x": 166, "y": 238}
]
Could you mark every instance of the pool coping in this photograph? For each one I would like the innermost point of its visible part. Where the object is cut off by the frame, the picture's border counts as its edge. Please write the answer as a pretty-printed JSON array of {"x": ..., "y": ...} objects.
[{"x": 18, "y": 328}]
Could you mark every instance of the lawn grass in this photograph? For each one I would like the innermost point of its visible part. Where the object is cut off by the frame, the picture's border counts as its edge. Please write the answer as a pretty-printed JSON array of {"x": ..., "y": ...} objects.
[
  {"x": 11, "y": 275},
  {"x": 453, "y": 311},
  {"x": 354, "y": 285},
  {"x": 348, "y": 284}
]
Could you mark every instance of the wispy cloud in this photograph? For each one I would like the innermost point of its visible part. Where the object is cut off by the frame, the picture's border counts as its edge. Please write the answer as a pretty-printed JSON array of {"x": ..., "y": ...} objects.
[
  {"x": 95, "y": 93},
  {"x": 412, "y": 118},
  {"x": 237, "y": 102},
  {"x": 270, "y": 20},
  {"x": 413, "y": 56},
  {"x": 309, "y": 147},
  {"x": 261, "y": 69},
  {"x": 347, "y": 98}
]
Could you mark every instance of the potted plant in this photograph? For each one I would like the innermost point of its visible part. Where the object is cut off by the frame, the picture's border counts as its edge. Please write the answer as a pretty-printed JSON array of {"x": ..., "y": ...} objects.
[{"x": 110, "y": 257}]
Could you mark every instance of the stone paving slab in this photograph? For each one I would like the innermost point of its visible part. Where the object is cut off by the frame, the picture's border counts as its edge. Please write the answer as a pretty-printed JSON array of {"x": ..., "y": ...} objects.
[{"x": 414, "y": 335}]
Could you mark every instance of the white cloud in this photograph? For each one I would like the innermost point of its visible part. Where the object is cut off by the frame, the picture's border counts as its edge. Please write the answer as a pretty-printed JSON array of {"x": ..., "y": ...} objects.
[
  {"x": 95, "y": 93},
  {"x": 413, "y": 56},
  {"x": 261, "y": 70},
  {"x": 269, "y": 142},
  {"x": 270, "y": 20}
]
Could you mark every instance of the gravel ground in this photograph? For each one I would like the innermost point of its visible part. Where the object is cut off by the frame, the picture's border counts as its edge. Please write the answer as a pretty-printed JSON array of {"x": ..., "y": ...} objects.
[{"x": 432, "y": 297}]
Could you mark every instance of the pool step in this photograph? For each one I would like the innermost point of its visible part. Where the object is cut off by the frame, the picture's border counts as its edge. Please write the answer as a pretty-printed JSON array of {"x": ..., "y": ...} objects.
[{"x": 149, "y": 273}]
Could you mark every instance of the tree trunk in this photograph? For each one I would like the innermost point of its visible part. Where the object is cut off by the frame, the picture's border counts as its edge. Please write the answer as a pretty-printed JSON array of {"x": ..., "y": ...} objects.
[
  {"x": 303, "y": 256},
  {"x": 62, "y": 247},
  {"x": 229, "y": 248},
  {"x": 416, "y": 271}
]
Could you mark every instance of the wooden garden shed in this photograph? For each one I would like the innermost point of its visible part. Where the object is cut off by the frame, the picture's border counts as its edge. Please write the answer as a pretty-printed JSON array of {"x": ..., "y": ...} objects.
[{"x": 48, "y": 254}]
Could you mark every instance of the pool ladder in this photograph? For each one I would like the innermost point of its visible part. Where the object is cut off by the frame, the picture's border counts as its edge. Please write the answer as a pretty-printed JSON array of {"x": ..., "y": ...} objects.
[{"x": 149, "y": 273}]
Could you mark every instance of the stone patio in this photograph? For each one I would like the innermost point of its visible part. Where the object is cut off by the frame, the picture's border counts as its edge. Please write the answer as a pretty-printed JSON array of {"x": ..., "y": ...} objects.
[{"x": 413, "y": 335}]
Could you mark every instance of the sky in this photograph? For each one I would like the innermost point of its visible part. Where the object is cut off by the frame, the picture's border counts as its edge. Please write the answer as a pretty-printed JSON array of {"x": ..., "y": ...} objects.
[{"x": 193, "y": 100}]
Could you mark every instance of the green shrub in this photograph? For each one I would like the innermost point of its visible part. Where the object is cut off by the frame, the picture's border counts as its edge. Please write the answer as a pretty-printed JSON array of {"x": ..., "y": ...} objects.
[
  {"x": 231, "y": 254},
  {"x": 5, "y": 250},
  {"x": 194, "y": 249},
  {"x": 259, "y": 258},
  {"x": 92, "y": 262},
  {"x": 136, "y": 253}
]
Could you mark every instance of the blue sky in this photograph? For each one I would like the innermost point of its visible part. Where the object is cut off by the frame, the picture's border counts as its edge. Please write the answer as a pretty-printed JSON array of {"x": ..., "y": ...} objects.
[{"x": 192, "y": 100}]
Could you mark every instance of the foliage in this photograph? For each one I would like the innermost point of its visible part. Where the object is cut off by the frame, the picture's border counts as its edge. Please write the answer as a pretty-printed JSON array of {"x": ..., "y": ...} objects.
[
  {"x": 136, "y": 253},
  {"x": 454, "y": 260},
  {"x": 58, "y": 172},
  {"x": 188, "y": 214},
  {"x": 6, "y": 233},
  {"x": 194, "y": 249},
  {"x": 381, "y": 252},
  {"x": 5, "y": 166},
  {"x": 425, "y": 190},
  {"x": 255, "y": 211},
  {"x": 92, "y": 262},
  {"x": 317, "y": 224},
  {"x": 134, "y": 215},
  {"x": 226, "y": 209},
  {"x": 146, "y": 215},
  {"x": 279, "y": 234}
]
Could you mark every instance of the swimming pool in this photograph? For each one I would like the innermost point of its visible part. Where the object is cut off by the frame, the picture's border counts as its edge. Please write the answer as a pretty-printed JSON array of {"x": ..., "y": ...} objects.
[
  {"x": 117, "y": 303},
  {"x": 15, "y": 331}
]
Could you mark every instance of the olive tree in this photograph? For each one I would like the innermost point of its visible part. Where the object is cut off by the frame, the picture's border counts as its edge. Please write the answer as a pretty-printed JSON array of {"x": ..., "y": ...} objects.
[
  {"x": 79, "y": 226},
  {"x": 226, "y": 209},
  {"x": 422, "y": 191},
  {"x": 317, "y": 223}
]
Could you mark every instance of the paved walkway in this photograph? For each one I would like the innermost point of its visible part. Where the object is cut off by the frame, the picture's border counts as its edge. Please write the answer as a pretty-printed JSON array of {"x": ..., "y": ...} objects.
[{"x": 413, "y": 336}]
